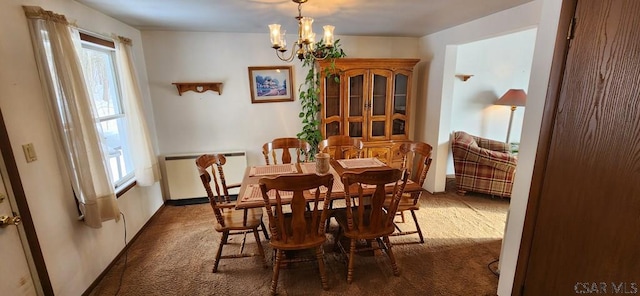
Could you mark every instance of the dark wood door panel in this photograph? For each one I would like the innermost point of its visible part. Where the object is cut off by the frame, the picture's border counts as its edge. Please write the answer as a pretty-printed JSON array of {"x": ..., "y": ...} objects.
[{"x": 588, "y": 223}]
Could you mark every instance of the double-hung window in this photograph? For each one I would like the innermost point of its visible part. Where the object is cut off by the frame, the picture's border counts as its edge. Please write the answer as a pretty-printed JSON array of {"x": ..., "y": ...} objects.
[{"x": 99, "y": 66}]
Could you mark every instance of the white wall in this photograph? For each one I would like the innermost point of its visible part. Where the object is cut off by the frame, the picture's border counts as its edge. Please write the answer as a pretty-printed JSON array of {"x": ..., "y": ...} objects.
[
  {"x": 439, "y": 53},
  {"x": 536, "y": 95},
  {"x": 200, "y": 122},
  {"x": 74, "y": 254},
  {"x": 498, "y": 64}
]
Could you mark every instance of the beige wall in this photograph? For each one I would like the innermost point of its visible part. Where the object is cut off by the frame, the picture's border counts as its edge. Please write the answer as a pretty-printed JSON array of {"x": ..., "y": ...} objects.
[
  {"x": 536, "y": 95},
  {"x": 74, "y": 254},
  {"x": 202, "y": 122},
  {"x": 438, "y": 54}
]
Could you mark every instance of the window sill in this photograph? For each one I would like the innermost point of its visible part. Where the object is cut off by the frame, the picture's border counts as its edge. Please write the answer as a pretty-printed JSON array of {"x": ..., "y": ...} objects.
[{"x": 125, "y": 187}]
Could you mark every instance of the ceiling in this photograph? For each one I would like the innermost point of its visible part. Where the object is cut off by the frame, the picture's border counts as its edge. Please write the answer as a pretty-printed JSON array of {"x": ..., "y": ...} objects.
[{"x": 407, "y": 18}]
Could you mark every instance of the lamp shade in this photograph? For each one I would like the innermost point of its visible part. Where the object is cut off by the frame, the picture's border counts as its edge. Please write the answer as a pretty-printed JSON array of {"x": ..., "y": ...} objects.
[{"x": 513, "y": 97}]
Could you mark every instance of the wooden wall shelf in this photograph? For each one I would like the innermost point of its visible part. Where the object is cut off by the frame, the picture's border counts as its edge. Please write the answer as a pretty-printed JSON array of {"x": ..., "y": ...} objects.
[{"x": 198, "y": 87}]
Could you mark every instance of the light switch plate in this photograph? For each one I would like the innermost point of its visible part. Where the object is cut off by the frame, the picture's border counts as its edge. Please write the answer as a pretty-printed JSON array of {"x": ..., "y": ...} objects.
[{"x": 29, "y": 152}]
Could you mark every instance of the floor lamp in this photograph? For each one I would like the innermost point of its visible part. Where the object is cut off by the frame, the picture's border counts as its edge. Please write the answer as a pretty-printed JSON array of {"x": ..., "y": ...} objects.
[{"x": 513, "y": 98}]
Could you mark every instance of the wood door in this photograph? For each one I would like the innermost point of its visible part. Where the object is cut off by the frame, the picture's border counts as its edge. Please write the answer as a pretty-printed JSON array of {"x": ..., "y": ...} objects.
[
  {"x": 586, "y": 226},
  {"x": 15, "y": 276}
]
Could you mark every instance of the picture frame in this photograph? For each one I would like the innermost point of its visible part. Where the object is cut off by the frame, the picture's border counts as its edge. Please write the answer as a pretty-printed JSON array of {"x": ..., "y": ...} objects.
[{"x": 271, "y": 84}]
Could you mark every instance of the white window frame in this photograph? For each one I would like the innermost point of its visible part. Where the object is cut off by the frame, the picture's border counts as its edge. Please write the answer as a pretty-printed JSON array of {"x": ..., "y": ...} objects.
[{"x": 91, "y": 42}]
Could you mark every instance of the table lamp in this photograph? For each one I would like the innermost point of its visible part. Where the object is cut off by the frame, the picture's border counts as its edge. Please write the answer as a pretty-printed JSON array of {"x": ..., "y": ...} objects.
[{"x": 513, "y": 98}]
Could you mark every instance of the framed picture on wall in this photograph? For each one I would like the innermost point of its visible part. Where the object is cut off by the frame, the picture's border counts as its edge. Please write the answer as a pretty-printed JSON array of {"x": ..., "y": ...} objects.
[{"x": 271, "y": 84}]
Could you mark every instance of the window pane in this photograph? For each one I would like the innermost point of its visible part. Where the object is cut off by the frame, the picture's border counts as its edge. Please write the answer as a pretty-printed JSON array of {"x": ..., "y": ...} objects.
[
  {"x": 115, "y": 142},
  {"x": 98, "y": 64},
  {"x": 101, "y": 80}
]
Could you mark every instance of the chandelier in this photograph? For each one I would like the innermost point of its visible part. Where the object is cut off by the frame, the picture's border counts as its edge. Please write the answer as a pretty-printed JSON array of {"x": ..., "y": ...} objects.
[{"x": 305, "y": 46}]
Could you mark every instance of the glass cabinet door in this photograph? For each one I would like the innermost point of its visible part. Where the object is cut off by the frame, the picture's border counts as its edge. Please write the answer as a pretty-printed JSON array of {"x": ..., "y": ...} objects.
[
  {"x": 368, "y": 99},
  {"x": 400, "y": 103},
  {"x": 378, "y": 106},
  {"x": 355, "y": 90},
  {"x": 332, "y": 106}
]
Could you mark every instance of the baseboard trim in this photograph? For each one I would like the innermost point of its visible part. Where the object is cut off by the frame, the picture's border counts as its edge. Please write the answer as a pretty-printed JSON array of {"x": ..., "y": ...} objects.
[
  {"x": 193, "y": 201},
  {"x": 122, "y": 252},
  {"x": 186, "y": 201}
]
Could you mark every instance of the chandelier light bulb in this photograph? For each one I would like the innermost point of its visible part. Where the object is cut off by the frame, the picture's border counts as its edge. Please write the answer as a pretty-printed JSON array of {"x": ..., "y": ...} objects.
[
  {"x": 328, "y": 35},
  {"x": 275, "y": 35},
  {"x": 307, "y": 29}
]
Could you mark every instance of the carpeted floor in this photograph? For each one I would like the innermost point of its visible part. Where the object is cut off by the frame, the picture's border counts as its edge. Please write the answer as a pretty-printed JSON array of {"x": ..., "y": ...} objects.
[{"x": 175, "y": 253}]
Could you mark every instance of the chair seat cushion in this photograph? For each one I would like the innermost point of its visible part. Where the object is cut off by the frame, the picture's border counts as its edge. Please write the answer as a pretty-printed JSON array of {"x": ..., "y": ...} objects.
[
  {"x": 235, "y": 219},
  {"x": 341, "y": 217}
]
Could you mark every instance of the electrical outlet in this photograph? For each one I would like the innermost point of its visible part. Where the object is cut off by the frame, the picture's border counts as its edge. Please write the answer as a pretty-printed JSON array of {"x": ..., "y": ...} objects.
[{"x": 29, "y": 152}]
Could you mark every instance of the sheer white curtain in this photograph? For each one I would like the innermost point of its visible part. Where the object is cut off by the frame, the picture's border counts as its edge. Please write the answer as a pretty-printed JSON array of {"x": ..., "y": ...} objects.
[
  {"x": 72, "y": 115},
  {"x": 145, "y": 161}
]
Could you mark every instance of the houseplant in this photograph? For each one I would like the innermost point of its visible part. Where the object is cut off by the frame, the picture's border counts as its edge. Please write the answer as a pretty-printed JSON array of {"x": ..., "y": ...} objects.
[{"x": 309, "y": 92}]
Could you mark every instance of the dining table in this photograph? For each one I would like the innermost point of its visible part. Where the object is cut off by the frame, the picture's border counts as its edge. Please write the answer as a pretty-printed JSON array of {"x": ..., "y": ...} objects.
[{"x": 250, "y": 195}]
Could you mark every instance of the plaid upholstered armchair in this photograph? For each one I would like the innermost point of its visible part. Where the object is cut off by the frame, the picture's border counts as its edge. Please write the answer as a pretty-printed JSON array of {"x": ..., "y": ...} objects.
[{"x": 482, "y": 165}]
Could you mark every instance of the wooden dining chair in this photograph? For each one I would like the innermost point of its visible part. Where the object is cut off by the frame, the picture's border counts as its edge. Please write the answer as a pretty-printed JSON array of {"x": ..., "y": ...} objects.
[
  {"x": 341, "y": 147},
  {"x": 301, "y": 227},
  {"x": 416, "y": 159},
  {"x": 229, "y": 221},
  {"x": 364, "y": 217},
  {"x": 284, "y": 147}
]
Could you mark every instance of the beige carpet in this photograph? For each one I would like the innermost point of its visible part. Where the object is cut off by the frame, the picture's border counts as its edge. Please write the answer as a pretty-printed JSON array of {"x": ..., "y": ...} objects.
[{"x": 174, "y": 256}]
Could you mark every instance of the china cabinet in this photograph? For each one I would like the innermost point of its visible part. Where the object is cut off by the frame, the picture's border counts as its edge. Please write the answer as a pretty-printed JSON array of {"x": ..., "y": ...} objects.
[{"x": 367, "y": 99}]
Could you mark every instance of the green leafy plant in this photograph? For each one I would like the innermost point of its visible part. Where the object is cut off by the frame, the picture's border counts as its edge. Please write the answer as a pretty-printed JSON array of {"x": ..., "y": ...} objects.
[{"x": 310, "y": 92}]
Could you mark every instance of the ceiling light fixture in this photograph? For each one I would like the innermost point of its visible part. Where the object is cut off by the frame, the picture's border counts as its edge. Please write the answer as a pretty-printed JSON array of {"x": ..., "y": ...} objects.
[{"x": 306, "y": 44}]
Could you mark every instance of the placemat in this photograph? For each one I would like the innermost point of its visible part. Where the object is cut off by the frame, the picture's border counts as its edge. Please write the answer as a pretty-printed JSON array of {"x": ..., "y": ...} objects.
[
  {"x": 310, "y": 168},
  {"x": 253, "y": 193},
  {"x": 356, "y": 163},
  {"x": 276, "y": 169}
]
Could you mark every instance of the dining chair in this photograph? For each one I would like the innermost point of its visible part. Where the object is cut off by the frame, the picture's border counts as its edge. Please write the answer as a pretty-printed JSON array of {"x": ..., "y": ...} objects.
[
  {"x": 416, "y": 159},
  {"x": 229, "y": 221},
  {"x": 284, "y": 147},
  {"x": 341, "y": 147},
  {"x": 365, "y": 217},
  {"x": 302, "y": 226}
]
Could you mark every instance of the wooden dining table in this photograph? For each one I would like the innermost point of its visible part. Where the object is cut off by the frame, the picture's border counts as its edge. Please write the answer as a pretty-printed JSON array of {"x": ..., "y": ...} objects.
[{"x": 250, "y": 195}]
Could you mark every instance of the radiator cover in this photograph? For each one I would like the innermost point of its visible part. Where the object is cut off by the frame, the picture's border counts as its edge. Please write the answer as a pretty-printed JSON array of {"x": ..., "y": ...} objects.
[{"x": 182, "y": 180}]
